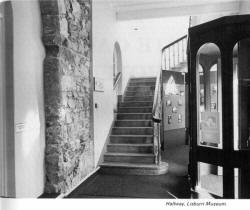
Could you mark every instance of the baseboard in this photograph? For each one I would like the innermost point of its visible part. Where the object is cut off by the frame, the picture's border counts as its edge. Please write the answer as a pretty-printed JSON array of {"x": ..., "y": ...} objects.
[{"x": 84, "y": 179}]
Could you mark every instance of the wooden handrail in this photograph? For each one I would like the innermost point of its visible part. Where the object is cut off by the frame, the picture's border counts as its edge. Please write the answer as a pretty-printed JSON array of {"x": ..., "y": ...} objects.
[
  {"x": 155, "y": 117},
  {"x": 117, "y": 79},
  {"x": 174, "y": 53},
  {"x": 158, "y": 92},
  {"x": 174, "y": 42}
]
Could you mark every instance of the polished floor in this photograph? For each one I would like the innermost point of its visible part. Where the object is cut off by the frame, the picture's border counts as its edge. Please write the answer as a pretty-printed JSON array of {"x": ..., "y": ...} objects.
[{"x": 172, "y": 185}]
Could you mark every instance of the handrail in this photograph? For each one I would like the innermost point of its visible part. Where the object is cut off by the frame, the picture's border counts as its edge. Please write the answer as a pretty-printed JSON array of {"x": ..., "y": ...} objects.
[
  {"x": 174, "y": 54},
  {"x": 117, "y": 79},
  {"x": 174, "y": 42},
  {"x": 155, "y": 115},
  {"x": 157, "y": 118}
]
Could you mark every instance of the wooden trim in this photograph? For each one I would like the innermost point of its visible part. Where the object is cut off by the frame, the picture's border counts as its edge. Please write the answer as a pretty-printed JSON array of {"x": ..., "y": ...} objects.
[
  {"x": 210, "y": 155},
  {"x": 8, "y": 143},
  {"x": 2, "y": 107}
]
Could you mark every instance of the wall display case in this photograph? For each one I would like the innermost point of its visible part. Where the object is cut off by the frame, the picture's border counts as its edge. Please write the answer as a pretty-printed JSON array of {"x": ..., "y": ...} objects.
[
  {"x": 174, "y": 100},
  {"x": 219, "y": 105}
]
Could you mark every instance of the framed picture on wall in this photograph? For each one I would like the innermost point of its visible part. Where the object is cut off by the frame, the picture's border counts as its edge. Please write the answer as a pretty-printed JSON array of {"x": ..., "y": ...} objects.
[{"x": 98, "y": 84}]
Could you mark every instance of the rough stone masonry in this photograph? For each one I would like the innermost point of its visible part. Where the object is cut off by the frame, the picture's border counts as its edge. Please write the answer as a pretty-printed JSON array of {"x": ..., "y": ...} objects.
[{"x": 69, "y": 154}]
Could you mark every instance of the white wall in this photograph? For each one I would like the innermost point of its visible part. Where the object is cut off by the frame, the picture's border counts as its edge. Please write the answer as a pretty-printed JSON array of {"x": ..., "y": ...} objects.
[
  {"x": 141, "y": 49},
  {"x": 29, "y": 110},
  {"x": 244, "y": 7},
  {"x": 104, "y": 37},
  {"x": 199, "y": 19}
]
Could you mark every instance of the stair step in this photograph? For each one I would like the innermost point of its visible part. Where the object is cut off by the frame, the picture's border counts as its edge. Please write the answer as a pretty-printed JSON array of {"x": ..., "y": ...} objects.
[
  {"x": 147, "y": 109},
  {"x": 136, "y": 103},
  {"x": 129, "y": 157},
  {"x": 141, "y": 88},
  {"x": 131, "y": 139},
  {"x": 133, "y": 168},
  {"x": 132, "y": 130},
  {"x": 143, "y": 79},
  {"x": 134, "y": 116},
  {"x": 140, "y": 93},
  {"x": 133, "y": 123},
  {"x": 141, "y": 83},
  {"x": 130, "y": 148},
  {"x": 139, "y": 98}
]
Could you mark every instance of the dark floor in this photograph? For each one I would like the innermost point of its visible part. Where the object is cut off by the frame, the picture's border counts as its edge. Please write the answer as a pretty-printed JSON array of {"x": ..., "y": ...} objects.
[{"x": 174, "y": 184}]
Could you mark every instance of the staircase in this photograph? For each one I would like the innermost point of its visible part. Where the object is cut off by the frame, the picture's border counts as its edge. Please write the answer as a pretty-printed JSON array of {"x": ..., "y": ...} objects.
[{"x": 131, "y": 144}]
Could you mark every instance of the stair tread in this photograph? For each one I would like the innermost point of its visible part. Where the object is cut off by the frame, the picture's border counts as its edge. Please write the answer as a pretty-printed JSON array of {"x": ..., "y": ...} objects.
[
  {"x": 146, "y": 120},
  {"x": 134, "y": 102},
  {"x": 132, "y": 107},
  {"x": 132, "y": 135},
  {"x": 142, "y": 79},
  {"x": 135, "y": 113},
  {"x": 128, "y": 154},
  {"x": 141, "y": 86},
  {"x": 139, "y": 96},
  {"x": 136, "y": 145},
  {"x": 131, "y": 127},
  {"x": 136, "y": 91},
  {"x": 149, "y": 77},
  {"x": 129, "y": 165}
]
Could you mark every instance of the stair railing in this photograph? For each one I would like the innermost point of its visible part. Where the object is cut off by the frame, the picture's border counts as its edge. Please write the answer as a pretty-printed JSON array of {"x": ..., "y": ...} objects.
[
  {"x": 174, "y": 53},
  {"x": 117, "y": 80},
  {"x": 157, "y": 118}
]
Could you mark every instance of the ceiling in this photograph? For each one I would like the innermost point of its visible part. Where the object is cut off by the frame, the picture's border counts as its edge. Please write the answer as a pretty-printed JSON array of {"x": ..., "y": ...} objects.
[{"x": 141, "y": 9}]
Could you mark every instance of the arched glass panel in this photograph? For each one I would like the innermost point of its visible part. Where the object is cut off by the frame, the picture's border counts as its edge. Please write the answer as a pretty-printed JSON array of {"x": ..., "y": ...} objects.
[
  {"x": 209, "y": 93},
  {"x": 210, "y": 177}
]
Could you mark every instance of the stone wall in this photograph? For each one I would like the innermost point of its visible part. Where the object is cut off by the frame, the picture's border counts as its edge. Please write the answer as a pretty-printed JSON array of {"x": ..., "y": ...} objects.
[{"x": 68, "y": 92}]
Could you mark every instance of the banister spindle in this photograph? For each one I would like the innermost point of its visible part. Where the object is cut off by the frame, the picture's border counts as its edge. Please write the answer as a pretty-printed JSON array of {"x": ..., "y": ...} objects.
[
  {"x": 173, "y": 56},
  {"x": 183, "y": 51},
  {"x": 165, "y": 60},
  {"x": 169, "y": 59}
]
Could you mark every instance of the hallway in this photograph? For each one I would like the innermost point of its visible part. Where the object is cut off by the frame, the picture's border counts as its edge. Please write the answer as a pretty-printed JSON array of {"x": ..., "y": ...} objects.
[{"x": 172, "y": 185}]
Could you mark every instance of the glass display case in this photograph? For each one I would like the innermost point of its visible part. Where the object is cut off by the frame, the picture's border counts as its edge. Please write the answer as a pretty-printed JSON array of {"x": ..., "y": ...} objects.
[{"x": 219, "y": 106}]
